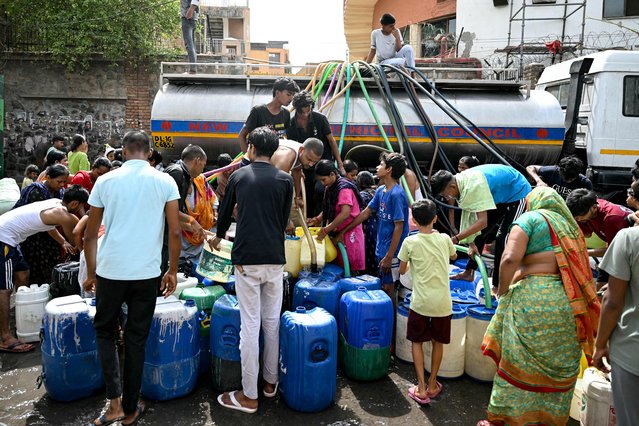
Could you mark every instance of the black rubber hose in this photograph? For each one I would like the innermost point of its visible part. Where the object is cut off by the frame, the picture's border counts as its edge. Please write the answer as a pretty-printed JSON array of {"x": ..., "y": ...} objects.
[
  {"x": 514, "y": 163},
  {"x": 453, "y": 117}
]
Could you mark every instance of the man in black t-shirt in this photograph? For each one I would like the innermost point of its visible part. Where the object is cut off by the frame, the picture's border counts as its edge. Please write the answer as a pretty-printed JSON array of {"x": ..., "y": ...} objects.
[
  {"x": 563, "y": 178},
  {"x": 273, "y": 114},
  {"x": 263, "y": 194},
  {"x": 306, "y": 124}
]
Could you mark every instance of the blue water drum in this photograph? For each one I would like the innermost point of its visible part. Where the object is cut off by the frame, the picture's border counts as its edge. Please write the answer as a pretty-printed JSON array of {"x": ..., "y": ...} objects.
[
  {"x": 461, "y": 263},
  {"x": 317, "y": 276},
  {"x": 308, "y": 359},
  {"x": 464, "y": 285},
  {"x": 464, "y": 297},
  {"x": 353, "y": 283},
  {"x": 481, "y": 295},
  {"x": 172, "y": 359},
  {"x": 199, "y": 277},
  {"x": 334, "y": 269},
  {"x": 310, "y": 293},
  {"x": 226, "y": 368},
  {"x": 366, "y": 330},
  {"x": 70, "y": 366}
]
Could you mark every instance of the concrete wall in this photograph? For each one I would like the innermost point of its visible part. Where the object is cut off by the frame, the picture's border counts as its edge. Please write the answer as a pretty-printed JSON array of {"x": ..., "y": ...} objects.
[
  {"x": 486, "y": 26},
  {"x": 43, "y": 99}
]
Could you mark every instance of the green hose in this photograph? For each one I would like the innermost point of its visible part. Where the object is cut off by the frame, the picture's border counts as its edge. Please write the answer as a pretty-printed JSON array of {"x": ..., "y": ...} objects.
[
  {"x": 330, "y": 68},
  {"x": 347, "y": 266},
  {"x": 345, "y": 118},
  {"x": 381, "y": 128},
  {"x": 484, "y": 276}
]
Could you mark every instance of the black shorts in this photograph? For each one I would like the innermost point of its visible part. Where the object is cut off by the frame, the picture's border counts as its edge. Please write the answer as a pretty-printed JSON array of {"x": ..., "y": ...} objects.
[
  {"x": 424, "y": 329},
  {"x": 12, "y": 260}
]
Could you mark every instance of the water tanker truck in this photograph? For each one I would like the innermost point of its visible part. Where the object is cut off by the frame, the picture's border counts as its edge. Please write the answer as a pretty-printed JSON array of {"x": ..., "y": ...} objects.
[{"x": 498, "y": 121}]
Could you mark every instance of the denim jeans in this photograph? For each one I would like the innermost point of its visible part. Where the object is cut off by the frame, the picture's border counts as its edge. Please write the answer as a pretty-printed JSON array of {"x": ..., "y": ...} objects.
[{"x": 188, "y": 33}]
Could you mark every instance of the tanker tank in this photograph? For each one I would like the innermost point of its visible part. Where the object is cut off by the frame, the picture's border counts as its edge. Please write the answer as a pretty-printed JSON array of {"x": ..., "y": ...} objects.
[{"x": 210, "y": 111}]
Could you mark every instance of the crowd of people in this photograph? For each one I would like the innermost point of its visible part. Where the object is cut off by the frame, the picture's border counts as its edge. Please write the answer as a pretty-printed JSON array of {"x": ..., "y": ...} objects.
[{"x": 550, "y": 311}]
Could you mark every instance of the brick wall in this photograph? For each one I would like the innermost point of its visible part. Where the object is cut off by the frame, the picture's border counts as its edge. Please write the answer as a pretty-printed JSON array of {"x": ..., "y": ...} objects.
[{"x": 43, "y": 98}]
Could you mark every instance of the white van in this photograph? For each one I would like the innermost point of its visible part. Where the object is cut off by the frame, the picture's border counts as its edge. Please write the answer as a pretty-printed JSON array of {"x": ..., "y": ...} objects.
[{"x": 608, "y": 118}]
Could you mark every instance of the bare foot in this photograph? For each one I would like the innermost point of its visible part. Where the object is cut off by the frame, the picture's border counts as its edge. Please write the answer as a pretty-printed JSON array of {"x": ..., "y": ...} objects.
[
  {"x": 467, "y": 275},
  {"x": 241, "y": 398}
]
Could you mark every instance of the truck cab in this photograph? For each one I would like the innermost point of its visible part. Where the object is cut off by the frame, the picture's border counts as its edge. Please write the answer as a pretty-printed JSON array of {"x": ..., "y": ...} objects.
[{"x": 608, "y": 114}]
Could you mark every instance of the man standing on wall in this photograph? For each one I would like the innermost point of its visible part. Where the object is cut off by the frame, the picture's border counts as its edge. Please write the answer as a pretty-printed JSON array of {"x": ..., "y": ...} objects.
[
  {"x": 263, "y": 195},
  {"x": 189, "y": 11},
  {"x": 386, "y": 43}
]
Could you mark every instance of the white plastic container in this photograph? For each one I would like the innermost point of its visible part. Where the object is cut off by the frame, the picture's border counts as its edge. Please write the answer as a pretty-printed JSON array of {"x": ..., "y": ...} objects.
[
  {"x": 184, "y": 282},
  {"x": 30, "y": 304},
  {"x": 596, "y": 401},
  {"x": 575, "y": 404},
  {"x": 476, "y": 365},
  {"x": 452, "y": 365},
  {"x": 403, "y": 346}
]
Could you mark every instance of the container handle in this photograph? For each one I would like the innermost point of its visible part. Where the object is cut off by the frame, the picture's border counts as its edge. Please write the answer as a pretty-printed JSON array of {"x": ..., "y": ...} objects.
[
  {"x": 319, "y": 353},
  {"x": 228, "y": 338},
  {"x": 373, "y": 334}
]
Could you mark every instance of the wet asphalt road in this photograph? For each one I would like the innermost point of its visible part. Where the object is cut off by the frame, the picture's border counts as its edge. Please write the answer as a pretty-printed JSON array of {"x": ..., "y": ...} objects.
[{"x": 382, "y": 402}]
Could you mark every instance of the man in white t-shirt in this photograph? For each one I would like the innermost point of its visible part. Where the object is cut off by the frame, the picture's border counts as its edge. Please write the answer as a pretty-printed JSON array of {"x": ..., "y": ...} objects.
[{"x": 386, "y": 44}]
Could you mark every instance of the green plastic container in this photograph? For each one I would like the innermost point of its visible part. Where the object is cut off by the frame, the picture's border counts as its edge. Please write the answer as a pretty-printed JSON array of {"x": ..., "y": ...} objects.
[
  {"x": 363, "y": 364},
  {"x": 204, "y": 297}
]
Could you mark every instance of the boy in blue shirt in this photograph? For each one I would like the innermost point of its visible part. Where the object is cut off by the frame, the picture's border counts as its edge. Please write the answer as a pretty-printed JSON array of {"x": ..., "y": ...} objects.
[
  {"x": 390, "y": 203},
  {"x": 430, "y": 315}
]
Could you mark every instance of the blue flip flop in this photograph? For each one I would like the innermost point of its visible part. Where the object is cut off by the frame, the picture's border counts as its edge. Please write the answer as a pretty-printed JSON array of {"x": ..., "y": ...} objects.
[
  {"x": 103, "y": 421},
  {"x": 139, "y": 412}
]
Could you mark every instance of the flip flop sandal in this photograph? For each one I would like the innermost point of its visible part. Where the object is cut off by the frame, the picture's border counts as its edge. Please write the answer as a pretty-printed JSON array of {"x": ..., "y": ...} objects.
[
  {"x": 439, "y": 390},
  {"x": 139, "y": 411},
  {"x": 13, "y": 348},
  {"x": 103, "y": 421},
  {"x": 235, "y": 405},
  {"x": 412, "y": 392},
  {"x": 271, "y": 394}
]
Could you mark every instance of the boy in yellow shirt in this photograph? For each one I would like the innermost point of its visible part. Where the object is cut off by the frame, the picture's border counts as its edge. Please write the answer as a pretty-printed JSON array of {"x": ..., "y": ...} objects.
[{"x": 429, "y": 318}]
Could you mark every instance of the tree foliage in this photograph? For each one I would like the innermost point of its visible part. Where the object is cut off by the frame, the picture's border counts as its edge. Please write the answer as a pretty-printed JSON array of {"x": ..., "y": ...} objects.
[{"x": 73, "y": 31}]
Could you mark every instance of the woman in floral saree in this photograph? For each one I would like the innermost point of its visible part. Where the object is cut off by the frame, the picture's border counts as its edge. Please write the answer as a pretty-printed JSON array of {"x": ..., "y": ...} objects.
[{"x": 547, "y": 315}]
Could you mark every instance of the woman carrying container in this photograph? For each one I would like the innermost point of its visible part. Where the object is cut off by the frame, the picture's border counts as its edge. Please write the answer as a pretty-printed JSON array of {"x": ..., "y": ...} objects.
[
  {"x": 78, "y": 159},
  {"x": 548, "y": 313},
  {"x": 42, "y": 250},
  {"x": 342, "y": 203}
]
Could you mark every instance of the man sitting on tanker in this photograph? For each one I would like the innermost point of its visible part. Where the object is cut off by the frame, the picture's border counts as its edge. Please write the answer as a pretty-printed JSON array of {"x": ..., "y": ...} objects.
[
  {"x": 492, "y": 197},
  {"x": 291, "y": 157},
  {"x": 563, "y": 178},
  {"x": 386, "y": 44},
  {"x": 272, "y": 114}
]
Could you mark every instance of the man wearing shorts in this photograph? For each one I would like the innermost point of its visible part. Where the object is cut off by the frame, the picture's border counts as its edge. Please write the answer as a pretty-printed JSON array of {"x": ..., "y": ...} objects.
[{"x": 15, "y": 226}]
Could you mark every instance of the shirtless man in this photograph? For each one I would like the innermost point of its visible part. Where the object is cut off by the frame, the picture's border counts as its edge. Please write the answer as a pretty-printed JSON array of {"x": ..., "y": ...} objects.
[
  {"x": 15, "y": 226},
  {"x": 291, "y": 157}
]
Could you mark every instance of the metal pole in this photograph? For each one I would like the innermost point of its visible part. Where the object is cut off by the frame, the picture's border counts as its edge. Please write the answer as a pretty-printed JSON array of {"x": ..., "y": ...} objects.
[
  {"x": 521, "y": 46},
  {"x": 583, "y": 29},
  {"x": 563, "y": 31}
]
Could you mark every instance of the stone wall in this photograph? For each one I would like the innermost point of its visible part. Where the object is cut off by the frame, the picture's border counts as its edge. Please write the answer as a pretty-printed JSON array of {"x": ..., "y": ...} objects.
[{"x": 43, "y": 99}]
